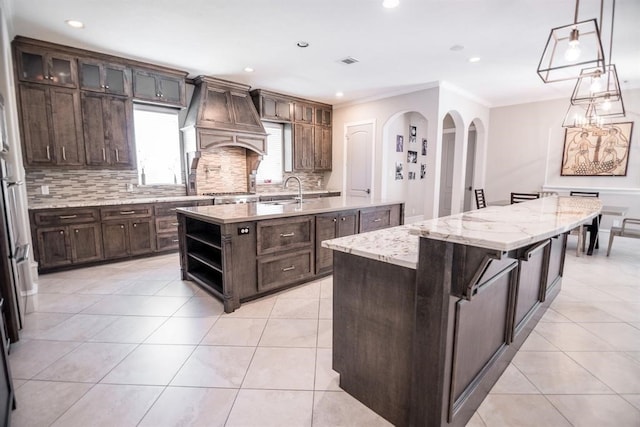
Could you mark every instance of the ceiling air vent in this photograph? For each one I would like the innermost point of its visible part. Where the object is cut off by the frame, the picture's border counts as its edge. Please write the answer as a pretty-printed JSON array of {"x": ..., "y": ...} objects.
[{"x": 349, "y": 60}]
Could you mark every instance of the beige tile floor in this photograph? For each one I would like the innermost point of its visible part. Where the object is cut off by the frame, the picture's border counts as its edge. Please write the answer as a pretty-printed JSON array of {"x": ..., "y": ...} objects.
[{"x": 131, "y": 344}]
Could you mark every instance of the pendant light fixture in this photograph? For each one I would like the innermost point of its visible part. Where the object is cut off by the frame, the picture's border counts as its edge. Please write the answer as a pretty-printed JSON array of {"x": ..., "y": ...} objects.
[
  {"x": 604, "y": 88},
  {"x": 570, "y": 50},
  {"x": 597, "y": 96}
]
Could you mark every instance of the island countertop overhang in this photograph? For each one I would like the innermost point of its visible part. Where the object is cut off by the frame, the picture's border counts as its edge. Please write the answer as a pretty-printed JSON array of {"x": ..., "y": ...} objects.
[{"x": 501, "y": 228}]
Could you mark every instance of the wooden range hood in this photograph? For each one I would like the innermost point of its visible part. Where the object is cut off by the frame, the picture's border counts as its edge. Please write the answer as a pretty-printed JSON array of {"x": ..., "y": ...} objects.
[{"x": 221, "y": 113}]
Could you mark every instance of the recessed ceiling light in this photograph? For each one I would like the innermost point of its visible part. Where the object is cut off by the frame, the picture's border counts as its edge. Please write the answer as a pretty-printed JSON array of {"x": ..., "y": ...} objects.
[
  {"x": 474, "y": 59},
  {"x": 74, "y": 24},
  {"x": 339, "y": 94},
  {"x": 456, "y": 48},
  {"x": 302, "y": 44},
  {"x": 390, "y": 4},
  {"x": 249, "y": 69}
]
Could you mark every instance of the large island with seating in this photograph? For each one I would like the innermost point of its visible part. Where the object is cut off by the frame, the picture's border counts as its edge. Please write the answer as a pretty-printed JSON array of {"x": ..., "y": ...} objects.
[
  {"x": 427, "y": 316},
  {"x": 240, "y": 252}
]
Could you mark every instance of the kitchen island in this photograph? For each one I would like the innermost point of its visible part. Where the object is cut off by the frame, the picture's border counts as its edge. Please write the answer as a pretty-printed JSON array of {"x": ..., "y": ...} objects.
[
  {"x": 241, "y": 252},
  {"x": 427, "y": 316}
]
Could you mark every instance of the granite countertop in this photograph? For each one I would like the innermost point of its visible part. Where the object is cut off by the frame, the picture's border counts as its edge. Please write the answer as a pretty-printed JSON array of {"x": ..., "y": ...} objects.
[
  {"x": 92, "y": 203},
  {"x": 291, "y": 193},
  {"x": 226, "y": 214},
  {"x": 496, "y": 227}
]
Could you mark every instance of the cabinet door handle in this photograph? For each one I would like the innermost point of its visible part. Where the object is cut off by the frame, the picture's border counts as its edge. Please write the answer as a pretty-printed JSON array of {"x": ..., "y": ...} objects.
[
  {"x": 135, "y": 225},
  {"x": 293, "y": 267},
  {"x": 104, "y": 155},
  {"x": 103, "y": 86},
  {"x": 122, "y": 226},
  {"x": 335, "y": 219},
  {"x": 67, "y": 216},
  {"x": 127, "y": 212},
  {"x": 64, "y": 154},
  {"x": 343, "y": 219},
  {"x": 117, "y": 156},
  {"x": 76, "y": 230},
  {"x": 48, "y": 153},
  {"x": 106, "y": 87},
  {"x": 61, "y": 231},
  {"x": 287, "y": 234}
]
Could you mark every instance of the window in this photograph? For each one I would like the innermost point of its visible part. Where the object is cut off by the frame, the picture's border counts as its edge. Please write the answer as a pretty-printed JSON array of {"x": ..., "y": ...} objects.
[
  {"x": 270, "y": 169},
  {"x": 157, "y": 135}
]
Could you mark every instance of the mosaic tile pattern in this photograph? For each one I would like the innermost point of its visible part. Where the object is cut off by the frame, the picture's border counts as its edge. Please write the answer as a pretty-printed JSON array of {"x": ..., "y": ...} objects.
[{"x": 86, "y": 185}]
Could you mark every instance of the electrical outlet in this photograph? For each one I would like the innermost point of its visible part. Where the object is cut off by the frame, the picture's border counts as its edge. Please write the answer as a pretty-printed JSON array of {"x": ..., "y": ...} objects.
[
  {"x": 130, "y": 187},
  {"x": 44, "y": 189},
  {"x": 243, "y": 230}
]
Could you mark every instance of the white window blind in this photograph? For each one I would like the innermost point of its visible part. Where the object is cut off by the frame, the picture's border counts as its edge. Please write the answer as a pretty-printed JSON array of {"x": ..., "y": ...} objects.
[
  {"x": 157, "y": 134},
  {"x": 270, "y": 169}
]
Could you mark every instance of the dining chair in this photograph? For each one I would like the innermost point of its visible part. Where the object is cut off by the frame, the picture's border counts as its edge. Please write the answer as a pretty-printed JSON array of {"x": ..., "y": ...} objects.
[
  {"x": 592, "y": 228},
  {"x": 480, "y": 200},
  {"x": 523, "y": 197},
  {"x": 630, "y": 228}
]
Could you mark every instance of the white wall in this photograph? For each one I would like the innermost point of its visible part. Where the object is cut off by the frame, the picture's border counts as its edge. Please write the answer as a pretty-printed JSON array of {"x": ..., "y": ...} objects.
[
  {"x": 432, "y": 104},
  {"x": 525, "y": 154}
]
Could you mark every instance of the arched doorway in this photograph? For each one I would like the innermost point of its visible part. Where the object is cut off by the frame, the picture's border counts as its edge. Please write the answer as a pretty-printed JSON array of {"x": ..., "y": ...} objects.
[{"x": 447, "y": 165}]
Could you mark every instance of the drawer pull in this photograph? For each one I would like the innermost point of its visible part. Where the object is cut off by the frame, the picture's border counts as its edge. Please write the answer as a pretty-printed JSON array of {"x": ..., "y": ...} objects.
[
  {"x": 127, "y": 212},
  {"x": 173, "y": 209},
  {"x": 343, "y": 219},
  {"x": 174, "y": 223},
  {"x": 377, "y": 220},
  {"x": 293, "y": 267},
  {"x": 175, "y": 240},
  {"x": 287, "y": 234},
  {"x": 67, "y": 216}
]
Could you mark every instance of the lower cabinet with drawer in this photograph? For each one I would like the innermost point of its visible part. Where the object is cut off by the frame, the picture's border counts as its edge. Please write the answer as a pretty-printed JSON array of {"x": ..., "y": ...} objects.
[
  {"x": 166, "y": 223},
  {"x": 127, "y": 230},
  {"x": 377, "y": 218},
  {"x": 281, "y": 270},
  {"x": 67, "y": 237}
]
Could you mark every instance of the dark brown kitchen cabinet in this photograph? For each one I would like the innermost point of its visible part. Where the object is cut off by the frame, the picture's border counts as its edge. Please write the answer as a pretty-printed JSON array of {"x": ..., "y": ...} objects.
[
  {"x": 108, "y": 130},
  {"x": 303, "y": 113},
  {"x": 159, "y": 88},
  {"x": 322, "y": 147},
  {"x": 166, "y": 223},
  {"x": 128, "y": 237},
  {"x": 98, "y": 76},
  {"x": 127, "y": 230},
  {"x": 271, "y": 106},
  {"x": 330, "y": 226},
  {"x": 67, "y": 236},
  {"x": 303, "y": 146},
  {"x": 39, "y": 65},
  {"x": 323, "y": 116},
  {"x": 381, "y": 217},
  {"x": 51, "y": 126}
]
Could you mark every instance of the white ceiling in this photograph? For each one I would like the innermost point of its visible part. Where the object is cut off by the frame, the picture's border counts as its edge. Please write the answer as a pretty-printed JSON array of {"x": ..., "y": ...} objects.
[{"x": 399, "y": 50}]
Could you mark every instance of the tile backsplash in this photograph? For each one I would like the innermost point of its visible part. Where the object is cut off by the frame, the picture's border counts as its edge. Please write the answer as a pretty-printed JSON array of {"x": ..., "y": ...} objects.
[
  {"x": 85, "y": 185},
  {"x": 221, "y": 170}
]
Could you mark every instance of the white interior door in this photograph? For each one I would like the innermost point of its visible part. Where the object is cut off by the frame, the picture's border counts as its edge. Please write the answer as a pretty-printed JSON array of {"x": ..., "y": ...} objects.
[
  {"x": 469, "y": 196},
  {"x": 446, "y": 177},
  {"x": 359, "y": 141}
]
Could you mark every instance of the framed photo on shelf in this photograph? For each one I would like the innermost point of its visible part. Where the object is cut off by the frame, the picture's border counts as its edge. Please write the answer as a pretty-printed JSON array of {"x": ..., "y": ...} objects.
[
  {"x": 597, "y": 152},
  {"x": 399, "y": 143}
]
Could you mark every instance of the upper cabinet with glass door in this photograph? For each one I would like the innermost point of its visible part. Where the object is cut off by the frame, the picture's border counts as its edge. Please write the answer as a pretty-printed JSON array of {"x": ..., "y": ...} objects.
[
  {"x": 98, "y": 76},
  {"x": 47, "y": 67},
  {"x": 159, "y": 87}
]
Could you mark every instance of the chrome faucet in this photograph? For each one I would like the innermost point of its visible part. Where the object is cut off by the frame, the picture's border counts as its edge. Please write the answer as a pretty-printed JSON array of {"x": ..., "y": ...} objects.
[{"x": 299, "y": 198}]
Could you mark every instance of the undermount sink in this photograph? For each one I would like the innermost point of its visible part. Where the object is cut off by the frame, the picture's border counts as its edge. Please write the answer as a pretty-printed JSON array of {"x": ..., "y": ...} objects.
[{"x": 286, "y": 202}]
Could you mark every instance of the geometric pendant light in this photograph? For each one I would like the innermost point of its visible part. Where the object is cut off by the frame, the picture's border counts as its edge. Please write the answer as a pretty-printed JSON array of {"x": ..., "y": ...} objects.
[
  {"x": 595, "y": 86},
  {"x": 594, "y": 114},
  {"x": 570, "y": 50}
]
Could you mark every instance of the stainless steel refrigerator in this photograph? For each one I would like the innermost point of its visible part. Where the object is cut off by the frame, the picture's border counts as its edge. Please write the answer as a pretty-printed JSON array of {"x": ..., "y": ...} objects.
[{"x": 14, "y": 249}]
